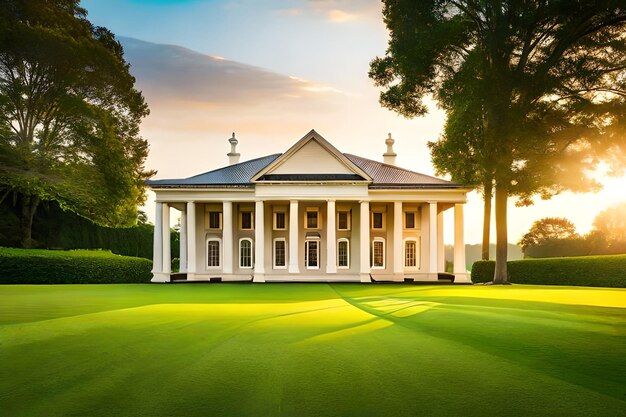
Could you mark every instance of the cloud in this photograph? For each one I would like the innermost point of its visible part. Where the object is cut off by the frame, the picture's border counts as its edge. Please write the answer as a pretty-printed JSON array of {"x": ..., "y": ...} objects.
[
  {"x": 290, "y": 12},
  {"x": 339, "y": 16},
  {"x": 166, "y": 73},
  {"x": 337, "y": 11}
]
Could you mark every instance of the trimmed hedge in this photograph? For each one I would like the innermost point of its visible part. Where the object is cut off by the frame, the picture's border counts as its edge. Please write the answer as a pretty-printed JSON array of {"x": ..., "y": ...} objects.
[
  {"x": 589, "y": 271},
  {"x": 38, "y": 266}
]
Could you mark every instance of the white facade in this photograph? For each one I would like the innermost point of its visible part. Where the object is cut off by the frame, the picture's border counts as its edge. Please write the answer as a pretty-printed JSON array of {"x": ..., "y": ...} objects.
[{"x": 310, "y": 214}]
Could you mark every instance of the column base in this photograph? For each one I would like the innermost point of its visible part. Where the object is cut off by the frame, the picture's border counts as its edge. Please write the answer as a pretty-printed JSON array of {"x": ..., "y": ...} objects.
[
  {"x": 258, "y": 278},
  {"x": 293, "y": 269},
  {"x": 160, "y": 277},
  {"x": 365, "y": 278},
  {"x": 462, "y": 278}
]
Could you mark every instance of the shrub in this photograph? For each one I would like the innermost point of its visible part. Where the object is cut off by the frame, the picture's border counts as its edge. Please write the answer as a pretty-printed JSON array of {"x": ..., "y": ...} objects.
[
  {"x": 590, "y": 271},
  {"x": 37, "y": 266}
]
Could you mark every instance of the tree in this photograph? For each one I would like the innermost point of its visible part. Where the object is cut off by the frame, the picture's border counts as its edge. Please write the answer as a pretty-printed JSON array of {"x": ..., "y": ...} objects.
[
  {"x": 610, "y": 224},
  {"x": 550, "y": 80},
  {"x": 69, "y": 115},
  {"x": 548, "y": 229},
  {"x": 461, "y": 151}
]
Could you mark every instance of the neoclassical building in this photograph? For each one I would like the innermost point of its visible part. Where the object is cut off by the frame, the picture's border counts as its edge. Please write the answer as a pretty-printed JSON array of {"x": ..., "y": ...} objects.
[{"x": 309, "y": 214}]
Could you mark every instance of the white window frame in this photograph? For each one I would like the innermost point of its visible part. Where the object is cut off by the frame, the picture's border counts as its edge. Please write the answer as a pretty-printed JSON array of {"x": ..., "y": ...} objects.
[
  {"x": 415, "y": 223},
  {"x": 417, "y": 265},
  {"x": 319, "y": 219},
  {"x": 384, "y": 224},
  {"x": 219, "y": 241},
  {"x": 348, "y": 220},
  {"x": 275, "y": 227},
  {"x": 208, "y": 220},
  {"x": 251, "y": 253},
  {"x": 241, "y": 219},
  {"x": 306, "y": 254},
  {"x": 279, "y": 239},
  {"x": 343, "y": 239},
  {"x": 379, "y": 239}
]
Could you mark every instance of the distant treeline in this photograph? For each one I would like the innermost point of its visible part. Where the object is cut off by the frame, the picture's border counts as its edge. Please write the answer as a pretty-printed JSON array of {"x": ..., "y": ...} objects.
[
  {"x": 473, "y": 253},
  {"x": 54, "y": 228}
]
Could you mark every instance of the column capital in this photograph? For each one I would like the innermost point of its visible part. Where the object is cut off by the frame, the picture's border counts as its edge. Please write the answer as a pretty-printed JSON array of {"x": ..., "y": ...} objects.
[
  {"x": 331, "y": 200},
  {"x": 293, "y": 201}
]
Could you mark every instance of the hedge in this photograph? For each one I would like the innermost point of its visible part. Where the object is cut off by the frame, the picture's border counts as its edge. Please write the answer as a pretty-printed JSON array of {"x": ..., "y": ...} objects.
[
  {"x": 589, "y": 271},
  {"x": 38, "y": 266}
]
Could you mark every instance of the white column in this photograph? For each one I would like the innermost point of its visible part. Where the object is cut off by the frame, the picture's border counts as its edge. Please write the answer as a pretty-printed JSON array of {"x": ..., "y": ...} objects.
[
  {"x": 364, "y": 237},
  {"x": 227, "y": 237},
  {"x": 259, "y": 242},
  {"x": 331, "y": 240},
  {"x": 460, "y": 268},
  {"x": 191, "y": 239},
  {"x": 441, "y": 250},
  {"x": 293, "y": 237},
  {"x": 182, "y": 240},
  {"x": 398, "y": 245},
  {"x": 167, "y": 252},
  {"x": 157, "y": 249},
  {"x": 432, "y": 219}
]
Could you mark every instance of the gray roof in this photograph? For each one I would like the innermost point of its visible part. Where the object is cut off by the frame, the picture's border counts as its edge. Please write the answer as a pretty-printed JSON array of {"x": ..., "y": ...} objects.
[
  {"x": 236, "y": 175},
  {"x": 239, "y": 175},
  {"x": 389, "y": 176}
]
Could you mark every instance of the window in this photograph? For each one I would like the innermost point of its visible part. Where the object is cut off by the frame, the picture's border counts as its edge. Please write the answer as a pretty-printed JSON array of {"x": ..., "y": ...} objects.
[
  {"x": 245, "y": 220},
  {"x": 343, "y": 220},
  {"x": 280, "y": 253},
  {"x": 311, "y": 220},
  {"x": 311, "y": 254},
  {"x": 343, "y": 254},
  {"x": 378, "y": 253},
  {"x": 214, "y": 220},
  {"x": 245, "y": 253},
  {"x": 409, "y": 220},
  {"x": 280, "y": 220},
  {"x": 213, "y": 253},
  {"x": 377, "y": 220},
  {"x": 410, "y": 253}
]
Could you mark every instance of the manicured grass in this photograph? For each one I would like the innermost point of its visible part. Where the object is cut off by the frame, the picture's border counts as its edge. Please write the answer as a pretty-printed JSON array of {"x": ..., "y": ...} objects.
[{"x": 311, "y": 350}]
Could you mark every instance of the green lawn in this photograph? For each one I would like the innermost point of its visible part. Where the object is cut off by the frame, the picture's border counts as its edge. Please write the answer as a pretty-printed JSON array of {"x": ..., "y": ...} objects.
[{"x": 311, "y": 350}]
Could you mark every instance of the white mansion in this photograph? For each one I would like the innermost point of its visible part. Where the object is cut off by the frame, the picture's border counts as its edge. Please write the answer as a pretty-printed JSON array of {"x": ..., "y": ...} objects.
[{"x": 309, "y": 214}]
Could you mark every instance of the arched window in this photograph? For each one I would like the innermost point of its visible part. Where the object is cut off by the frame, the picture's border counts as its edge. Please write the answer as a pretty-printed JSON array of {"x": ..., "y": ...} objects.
[
  {"x": 343, "y": 253},
  {"x": 245, "y": 253},
  {"x": 214, "y": 252},
  {"x": 312, "y": 253},
  {"x": 378, "y": 253}
]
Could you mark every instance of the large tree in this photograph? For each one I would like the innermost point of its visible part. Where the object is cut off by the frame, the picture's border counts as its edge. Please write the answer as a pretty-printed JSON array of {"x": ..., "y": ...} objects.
[
  {"x": 69, "y": 115},
  {"x": 461, "y": 151},
  {"x": 550, "y": 79}
]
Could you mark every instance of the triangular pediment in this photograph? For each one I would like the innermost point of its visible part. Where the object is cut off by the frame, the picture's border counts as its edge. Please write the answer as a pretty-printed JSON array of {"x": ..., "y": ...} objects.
[{"x": 312, "y": 158}]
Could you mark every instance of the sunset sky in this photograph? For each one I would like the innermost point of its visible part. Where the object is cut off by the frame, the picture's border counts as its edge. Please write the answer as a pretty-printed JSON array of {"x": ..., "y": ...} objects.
[{"x": 271, "y": 71}]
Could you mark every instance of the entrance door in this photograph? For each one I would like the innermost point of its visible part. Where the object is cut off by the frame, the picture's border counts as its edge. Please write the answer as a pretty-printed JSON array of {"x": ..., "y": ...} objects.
[{"x": 312, "y": 254}]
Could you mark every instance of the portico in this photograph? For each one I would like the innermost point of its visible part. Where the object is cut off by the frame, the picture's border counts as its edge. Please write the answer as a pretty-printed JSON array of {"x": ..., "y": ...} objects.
[{"x": 310, "y": 214}]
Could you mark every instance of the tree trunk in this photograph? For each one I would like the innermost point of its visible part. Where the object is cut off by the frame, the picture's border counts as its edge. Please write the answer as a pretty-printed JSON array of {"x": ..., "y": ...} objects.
[
  {"x": 29, "y": 207},
  {"x": 488, "y": 194},
  {"x": 500, "y": 275}
]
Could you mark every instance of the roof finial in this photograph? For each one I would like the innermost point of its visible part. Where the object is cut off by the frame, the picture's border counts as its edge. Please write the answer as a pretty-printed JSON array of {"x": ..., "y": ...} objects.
[
  {"x": 389, "y": 157},
  {"x": 233, "y": 155}
]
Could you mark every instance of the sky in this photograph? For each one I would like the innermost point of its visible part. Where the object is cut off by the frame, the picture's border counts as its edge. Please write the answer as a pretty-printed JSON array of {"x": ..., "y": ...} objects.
[{"x": 271, "y": 71}]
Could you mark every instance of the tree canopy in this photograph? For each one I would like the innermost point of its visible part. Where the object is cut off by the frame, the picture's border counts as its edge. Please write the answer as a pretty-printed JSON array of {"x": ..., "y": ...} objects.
[
  {"x": 69, "y": 115},
  {"x": 548, "y": 229},
  {"x": 548, "y": 77}
]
